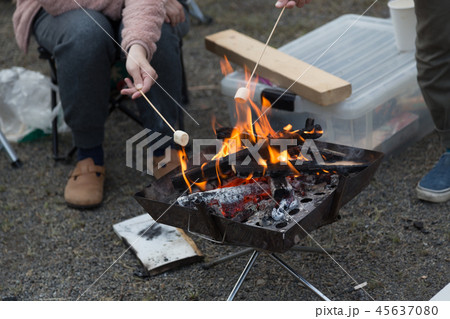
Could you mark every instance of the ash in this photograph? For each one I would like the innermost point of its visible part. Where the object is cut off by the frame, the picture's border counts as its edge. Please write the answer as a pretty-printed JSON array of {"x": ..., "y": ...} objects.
[
  {"x": 280, "y": 212},
  {"x": 269, "y": 202}
]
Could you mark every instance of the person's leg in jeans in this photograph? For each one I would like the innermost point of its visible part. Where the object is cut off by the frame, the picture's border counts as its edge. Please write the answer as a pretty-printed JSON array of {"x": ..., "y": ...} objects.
[
  {"x": 166, "y": 95},
  {"x": 433, "y": 65},
  {"x": 84, "y": 55}
]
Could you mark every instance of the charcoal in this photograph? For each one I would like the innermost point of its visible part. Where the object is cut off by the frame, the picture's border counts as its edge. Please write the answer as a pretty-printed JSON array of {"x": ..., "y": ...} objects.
[
  {"x": 243, "y": 216},
  {"x": 223, "y": 132}
]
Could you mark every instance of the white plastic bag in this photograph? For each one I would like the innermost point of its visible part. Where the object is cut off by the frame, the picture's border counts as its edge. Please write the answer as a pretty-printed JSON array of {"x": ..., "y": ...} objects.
[{"x": 25, "y": 104}]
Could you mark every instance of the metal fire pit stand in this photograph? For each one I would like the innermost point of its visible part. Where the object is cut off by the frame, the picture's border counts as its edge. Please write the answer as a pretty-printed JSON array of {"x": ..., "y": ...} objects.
[{"x": 250, "y": 263}]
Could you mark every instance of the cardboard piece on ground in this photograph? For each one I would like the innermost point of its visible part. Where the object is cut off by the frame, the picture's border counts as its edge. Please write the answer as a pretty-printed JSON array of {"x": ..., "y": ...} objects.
[
  {"x": 160, "y": 247},
  {"x": 280, "y": 68}
]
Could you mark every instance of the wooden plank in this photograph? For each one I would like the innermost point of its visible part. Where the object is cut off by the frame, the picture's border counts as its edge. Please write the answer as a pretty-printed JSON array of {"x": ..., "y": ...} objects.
[{"x": 282, "y": 69}]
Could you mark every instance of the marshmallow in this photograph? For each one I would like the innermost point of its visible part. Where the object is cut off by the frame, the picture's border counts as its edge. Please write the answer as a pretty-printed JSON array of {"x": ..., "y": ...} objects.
[
  {"x": 181, "y": 137},
  {"x": 242, "y": 95}
]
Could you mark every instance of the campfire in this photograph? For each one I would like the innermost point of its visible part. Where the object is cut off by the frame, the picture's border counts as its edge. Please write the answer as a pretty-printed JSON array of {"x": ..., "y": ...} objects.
[{"x": 263, "y": 188}]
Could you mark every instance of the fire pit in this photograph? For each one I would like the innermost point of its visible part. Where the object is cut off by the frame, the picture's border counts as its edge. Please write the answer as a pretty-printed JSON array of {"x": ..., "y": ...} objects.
[
  {"x": 271, "y": 213},
  {"x": 263, "y": 189},
  {"x": 269, "y": 210}
]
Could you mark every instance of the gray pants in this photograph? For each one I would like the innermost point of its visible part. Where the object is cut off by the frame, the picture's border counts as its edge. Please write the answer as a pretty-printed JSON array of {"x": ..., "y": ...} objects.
[
  {"x": 433, "y": 61},
  {"x": 84, "y": 55}
]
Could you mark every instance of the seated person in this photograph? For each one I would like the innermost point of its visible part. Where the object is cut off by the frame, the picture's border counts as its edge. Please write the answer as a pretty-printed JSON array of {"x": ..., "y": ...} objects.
[
  {"x": 83, "y": 36},
  {"x": 84, "y": 42}
]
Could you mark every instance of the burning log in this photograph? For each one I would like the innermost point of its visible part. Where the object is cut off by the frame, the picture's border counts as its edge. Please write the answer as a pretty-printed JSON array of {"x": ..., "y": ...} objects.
[
  {"x": 227, "y": 195},
  {"x": 311, "y": 131},
  {"x": 262, "y": 151},
  {"x": 217, "y": 169},
  {"x": 271, "y": 199},
  {"x": 206, "y": 172},
  {"x": 253, "y": 155},
  {"x": 244, "y": 165},
  {"x": 280, "y": 188},
  {"x": 238, "y": 202},
  {"x": 285, "y": 169}
]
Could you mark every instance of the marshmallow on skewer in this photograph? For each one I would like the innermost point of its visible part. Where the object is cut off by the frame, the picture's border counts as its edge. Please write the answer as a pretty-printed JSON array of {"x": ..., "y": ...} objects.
[
  {"x": 181, "y": 137},
  {"x": 242, "y": 95}
]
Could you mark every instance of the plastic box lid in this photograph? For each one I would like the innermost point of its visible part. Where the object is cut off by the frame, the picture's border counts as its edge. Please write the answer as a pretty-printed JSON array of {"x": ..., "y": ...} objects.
[{"x": 355, "y": 48}]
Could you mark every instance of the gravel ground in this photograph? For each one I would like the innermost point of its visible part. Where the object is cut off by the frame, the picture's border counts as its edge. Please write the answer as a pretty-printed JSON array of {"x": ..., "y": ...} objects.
[{"x": 51, "y": 252}]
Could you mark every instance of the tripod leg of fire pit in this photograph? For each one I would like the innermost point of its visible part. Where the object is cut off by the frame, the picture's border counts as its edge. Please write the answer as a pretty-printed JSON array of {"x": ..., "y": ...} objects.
[
  {"x": 303, "y": 280},
  {"x": 226, "y": 258},
  {"x": 243, "y": 275}
]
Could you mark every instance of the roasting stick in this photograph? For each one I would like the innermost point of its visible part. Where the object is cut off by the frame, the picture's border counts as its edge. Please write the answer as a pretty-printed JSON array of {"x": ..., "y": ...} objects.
[
  {"x": 243, "y": 93},
  {"x": 179, "y": 137}
]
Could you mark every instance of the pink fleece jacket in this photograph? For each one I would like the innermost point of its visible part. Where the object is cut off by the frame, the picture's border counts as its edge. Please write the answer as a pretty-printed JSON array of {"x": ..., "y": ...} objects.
[{"x": 142, "y": 19}]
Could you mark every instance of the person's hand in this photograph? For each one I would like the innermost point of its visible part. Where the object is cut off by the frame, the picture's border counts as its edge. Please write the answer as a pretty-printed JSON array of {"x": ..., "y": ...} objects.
[
  {"x": 291, "y": 3},
  {"x": 174, "y": 12},
  {"x": 140, "y": 70}
]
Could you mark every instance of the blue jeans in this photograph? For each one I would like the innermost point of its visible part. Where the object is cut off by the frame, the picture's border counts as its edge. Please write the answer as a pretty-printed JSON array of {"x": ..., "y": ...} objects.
[{"x": 84, "y": 55}]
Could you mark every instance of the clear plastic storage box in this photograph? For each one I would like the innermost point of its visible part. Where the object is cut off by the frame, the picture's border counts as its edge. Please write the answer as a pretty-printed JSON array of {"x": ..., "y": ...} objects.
[{"x": 386, "y": 110}]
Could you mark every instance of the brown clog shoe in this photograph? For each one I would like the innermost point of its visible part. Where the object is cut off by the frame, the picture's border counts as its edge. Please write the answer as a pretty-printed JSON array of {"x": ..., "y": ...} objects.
[{"x": 84, "y": 188}]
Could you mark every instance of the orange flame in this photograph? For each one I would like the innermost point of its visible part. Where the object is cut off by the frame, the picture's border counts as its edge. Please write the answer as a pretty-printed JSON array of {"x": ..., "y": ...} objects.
[
  {"x": 249, "y": 177},
  {"x": 214, "y": 124},
  {"x": 293, "y": 169},
  {"x": 265, "y": 102},
  {"x": 201, "y": 185},
  {"x": 252, "y": 123},
  {"x": 225, "y": 66},
  {"x": 183, "y": 161}
]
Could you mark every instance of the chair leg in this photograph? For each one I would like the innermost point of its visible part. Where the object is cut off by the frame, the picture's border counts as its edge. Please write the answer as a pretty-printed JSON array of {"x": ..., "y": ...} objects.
[
  {"x": 195, "y": 11},
  {"x": 45, "y": 55},
  {"x": 55, "y": 144},
  {"x": 15, "y": 161},
  {"x": 55, "y": 140},
  {"x": 55, "y": 137}
]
